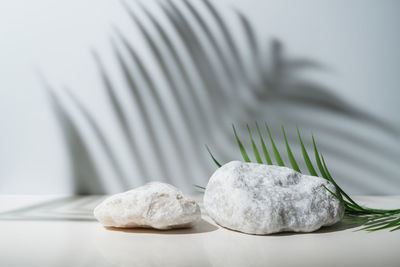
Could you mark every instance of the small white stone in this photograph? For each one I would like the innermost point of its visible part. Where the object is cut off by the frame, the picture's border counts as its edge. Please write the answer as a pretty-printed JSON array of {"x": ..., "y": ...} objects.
[
  {"x": 153, "y": 205},
  {"x": 263, "y": 199}
]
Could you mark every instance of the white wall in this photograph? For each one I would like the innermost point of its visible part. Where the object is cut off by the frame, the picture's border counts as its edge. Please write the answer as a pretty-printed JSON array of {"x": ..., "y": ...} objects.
[{"x": 357, "y": 42}]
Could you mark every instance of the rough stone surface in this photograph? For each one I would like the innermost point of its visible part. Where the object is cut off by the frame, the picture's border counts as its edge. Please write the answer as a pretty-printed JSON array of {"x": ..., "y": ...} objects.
[
  {"x": 263, "y": 199},
  {"x": 153, "y": 205}
]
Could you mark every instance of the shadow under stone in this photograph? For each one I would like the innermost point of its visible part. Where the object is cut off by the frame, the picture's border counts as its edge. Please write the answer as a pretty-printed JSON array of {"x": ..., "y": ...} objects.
[{"x": 200, "y": 227}]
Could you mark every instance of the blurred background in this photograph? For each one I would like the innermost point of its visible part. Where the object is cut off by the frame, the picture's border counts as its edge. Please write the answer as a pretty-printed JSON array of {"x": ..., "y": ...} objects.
[{"x": 102, "y": 96}]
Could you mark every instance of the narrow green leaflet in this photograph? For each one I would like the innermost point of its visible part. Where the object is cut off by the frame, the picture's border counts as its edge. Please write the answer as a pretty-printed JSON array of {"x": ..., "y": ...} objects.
[
  {"x": 290, "y": 154},
  {"x": 337, "y": 186},
  {"x": 318, "y": 160},
  {"x": 241, "y": 147},
  {"x": 274, "y": 148},
  {"x": 200, "y": 187},
  {"x": 310, "y": 167},
  {"x": 266, "y": 154},
  {"x": 256, "y": 153},
  {"x": 213, "y": 158}
]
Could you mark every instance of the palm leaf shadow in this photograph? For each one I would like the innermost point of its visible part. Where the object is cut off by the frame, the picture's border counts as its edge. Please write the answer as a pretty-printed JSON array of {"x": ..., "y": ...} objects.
[
  {"x": 233, "y": 91},
  {"x": 85, "y": 177},
  {"x": 137, "y": 100},
  {"x": 121, "y": 117},
  {"x": 312, "y": 94}
]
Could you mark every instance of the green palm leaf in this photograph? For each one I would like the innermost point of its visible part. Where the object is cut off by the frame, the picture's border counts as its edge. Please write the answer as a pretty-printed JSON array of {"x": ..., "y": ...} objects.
[
  {"x": 256, "y": 153},
  {"x": 290, "y": 154},
  {"x": 264, "y": 148},
  {"x": 274, "y": 148},
  {"x": 310, "y": 167},
  {"x": 241, "y": 147},
  {"x": 318, "y": 160},
  {"x": 371, "y": 219},
  {"x": 213, "y": 158}
]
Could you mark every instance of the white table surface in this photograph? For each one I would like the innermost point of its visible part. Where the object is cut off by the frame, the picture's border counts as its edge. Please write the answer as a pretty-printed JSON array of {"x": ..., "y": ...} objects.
[{"x": 61, "y": 231}]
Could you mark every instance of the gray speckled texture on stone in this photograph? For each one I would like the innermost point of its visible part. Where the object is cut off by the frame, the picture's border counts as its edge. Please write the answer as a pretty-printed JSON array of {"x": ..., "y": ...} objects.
[
  {"x": 263, "y": 199},
  {"x": 153, "y": 205}
]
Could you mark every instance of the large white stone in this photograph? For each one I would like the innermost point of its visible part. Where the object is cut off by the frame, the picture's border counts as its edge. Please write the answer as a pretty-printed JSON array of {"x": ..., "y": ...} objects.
[
  {"x": 153, "y": 205},
  {"x": 263, "y": 199}
]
